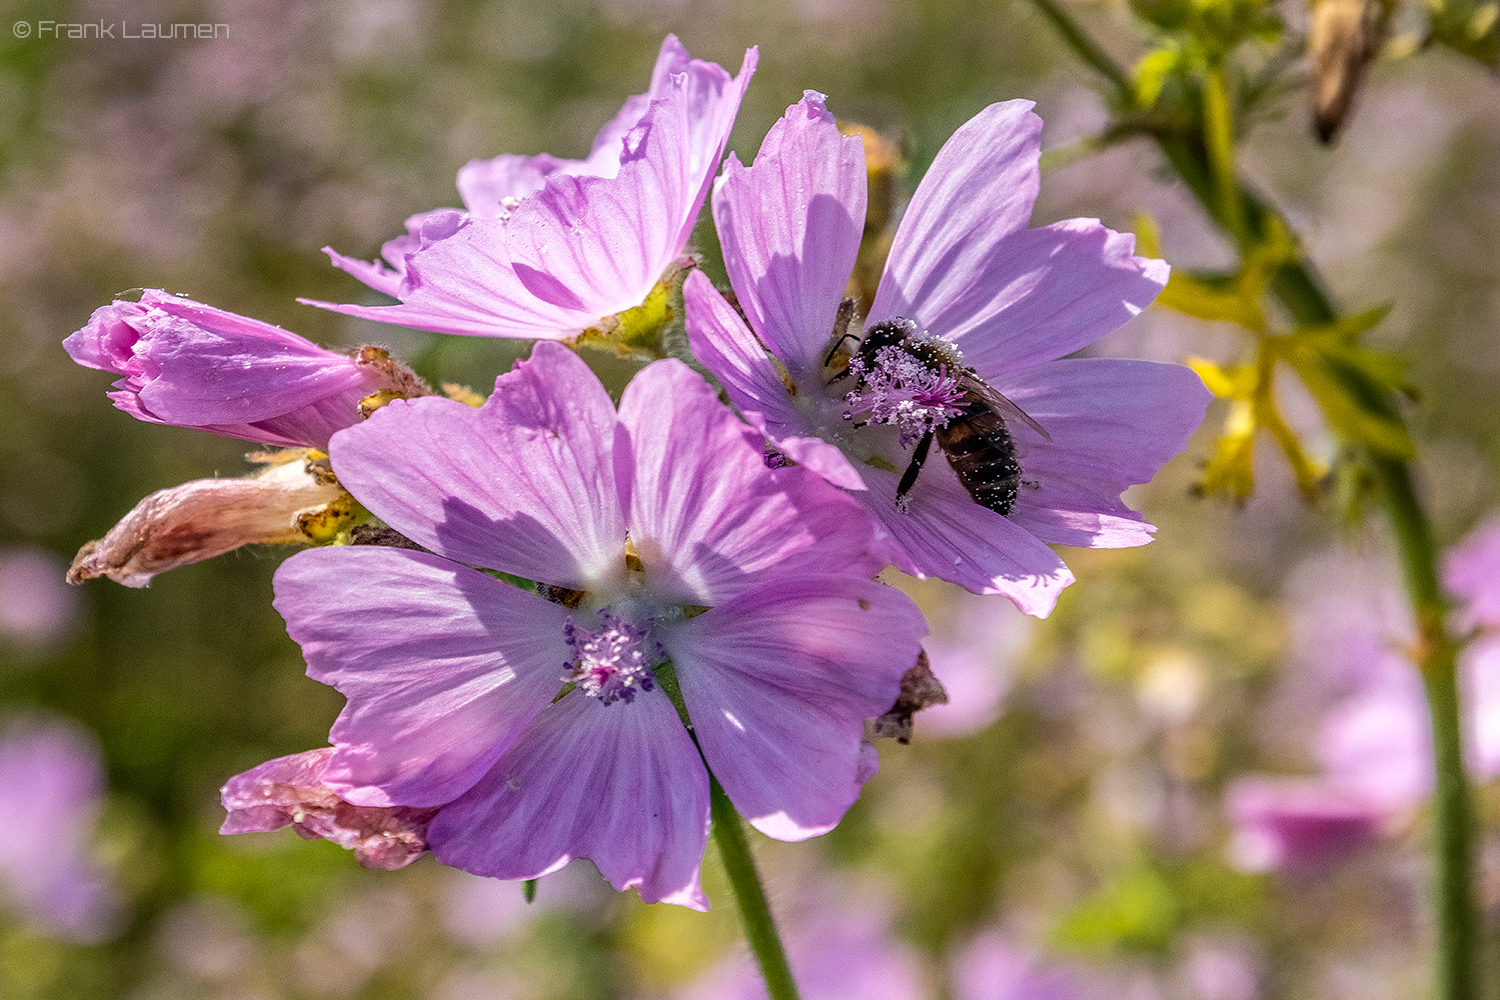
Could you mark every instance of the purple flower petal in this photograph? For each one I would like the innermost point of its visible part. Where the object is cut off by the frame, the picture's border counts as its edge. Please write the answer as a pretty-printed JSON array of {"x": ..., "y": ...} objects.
[
  {"x": 1113, "y": 423},
  {"x": 416, "y": 640},
  {"x": 620, "y": 784},
  {"x": 978, "y": 191},
  {"x": 947, "y": 535},
  {"x": 705, "y": 513},
  {"x": 1040, "y": 294},
  {"x": 726, "y": 347},
  {"x": 593, "y": 239},
  {"x": 794, "y": 220},
  {"x": 779, "y": 682},
  {"x": 192, "y": 365},
  {"x": 527, "y": 484}
]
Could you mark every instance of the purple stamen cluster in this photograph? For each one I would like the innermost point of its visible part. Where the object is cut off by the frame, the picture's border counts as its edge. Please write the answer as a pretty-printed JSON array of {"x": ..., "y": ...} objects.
[
  {"x": 615, "y": 662},
  {"x": 900, "y": 389}
]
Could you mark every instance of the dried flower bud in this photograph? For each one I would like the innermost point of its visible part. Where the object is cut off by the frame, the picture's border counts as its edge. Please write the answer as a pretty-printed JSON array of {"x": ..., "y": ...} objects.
[
  {"x": 288, "y": 502},
  {"x": 920, "y": 689},
  {"x": 289, "y": 791},
  {"x": 1343, "y": 37}
]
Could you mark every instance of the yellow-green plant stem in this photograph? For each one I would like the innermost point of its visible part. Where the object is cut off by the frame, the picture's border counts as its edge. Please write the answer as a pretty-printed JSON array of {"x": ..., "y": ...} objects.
[
  {"x": 755, "y": 913},
  {"x": 1241, "y": 213}
]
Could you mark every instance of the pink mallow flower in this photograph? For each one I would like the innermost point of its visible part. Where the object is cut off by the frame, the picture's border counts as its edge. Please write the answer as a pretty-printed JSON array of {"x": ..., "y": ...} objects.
[
  {"x": 52, "y": 784},
  {"x": 1374, "y": 743},
  {"x": 191, "y": 365},
  {"x": 991, "y": 299},
  {"x": 674, "y": 560},
  {"x": 549, "y": 248}
]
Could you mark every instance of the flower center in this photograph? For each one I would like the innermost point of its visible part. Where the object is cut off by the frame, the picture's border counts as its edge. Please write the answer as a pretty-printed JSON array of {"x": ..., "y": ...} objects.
[
  {"x": 614, "y": 662},
  {"x": 909, "y": 380}
]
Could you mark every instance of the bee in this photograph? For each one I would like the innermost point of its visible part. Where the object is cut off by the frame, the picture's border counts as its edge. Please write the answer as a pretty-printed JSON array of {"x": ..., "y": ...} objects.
[{"x": 975, "y": 440}]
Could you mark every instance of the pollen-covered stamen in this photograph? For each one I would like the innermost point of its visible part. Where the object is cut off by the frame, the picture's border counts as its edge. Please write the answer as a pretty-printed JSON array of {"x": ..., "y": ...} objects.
[
  {"x": 615, "y": 662},
  {"x": 899, "y": 388}
]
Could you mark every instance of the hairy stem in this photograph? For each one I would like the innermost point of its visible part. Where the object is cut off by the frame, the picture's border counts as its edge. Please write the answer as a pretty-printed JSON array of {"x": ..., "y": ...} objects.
[
  {"x": 755, "y": 914},
  {"x": 1436, "y": 655}
]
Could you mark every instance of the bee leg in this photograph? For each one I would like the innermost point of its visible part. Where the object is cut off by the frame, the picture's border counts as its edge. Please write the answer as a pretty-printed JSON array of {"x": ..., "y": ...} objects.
[{"x": 909, "y": 477}]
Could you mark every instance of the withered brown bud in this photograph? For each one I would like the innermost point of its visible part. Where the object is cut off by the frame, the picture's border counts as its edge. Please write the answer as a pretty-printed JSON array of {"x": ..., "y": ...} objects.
[
  {"x": 207, "y": 517},
  {"x": 1344, "y": 35},
  {"x": 289, "y": 791},
  {"x": 920, "y": 689}
]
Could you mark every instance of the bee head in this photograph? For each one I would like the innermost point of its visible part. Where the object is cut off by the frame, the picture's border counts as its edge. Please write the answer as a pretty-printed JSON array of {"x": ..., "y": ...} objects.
[{"x": 887, "y": 333}]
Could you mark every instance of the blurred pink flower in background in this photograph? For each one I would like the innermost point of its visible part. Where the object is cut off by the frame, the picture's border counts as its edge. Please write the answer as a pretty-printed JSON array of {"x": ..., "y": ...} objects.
[
  {"x": 1374, "y": 741},
  {"x": 992, "y": 967},
  {"x": 838, "y": 951},
  {"x": 972, "y": 650},
  {"x": 37, "y": 607},
  {"x": 52, "y": 783}
]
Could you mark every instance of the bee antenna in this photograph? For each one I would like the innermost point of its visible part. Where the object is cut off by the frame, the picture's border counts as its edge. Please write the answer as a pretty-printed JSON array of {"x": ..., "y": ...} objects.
[{"x": 841, "y": 321}]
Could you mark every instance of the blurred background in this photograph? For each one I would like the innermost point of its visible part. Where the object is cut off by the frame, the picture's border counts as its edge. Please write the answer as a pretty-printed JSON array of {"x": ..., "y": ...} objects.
[{"x": 1106, "y": 809}]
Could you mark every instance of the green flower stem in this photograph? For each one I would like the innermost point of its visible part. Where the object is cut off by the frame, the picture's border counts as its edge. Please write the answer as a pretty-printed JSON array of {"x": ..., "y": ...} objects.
[
  {"x": 1218, "y": 125},
  {"x": 760, "y": 929},
  {"x": 1084, "y": 47},
  {"x": 1436, "y": 654},
  {"x": 1240, "y": 212}
]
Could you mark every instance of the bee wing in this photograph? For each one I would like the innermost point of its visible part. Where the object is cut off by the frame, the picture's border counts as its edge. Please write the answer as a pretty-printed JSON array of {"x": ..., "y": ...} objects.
[{"x": 1003, "y": 406}]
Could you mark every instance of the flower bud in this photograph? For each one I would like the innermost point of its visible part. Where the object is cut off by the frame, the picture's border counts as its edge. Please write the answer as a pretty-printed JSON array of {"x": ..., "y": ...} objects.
[
  {"x": 293, "y": 501},
  {"x": 191, "y": 365},
  {"x": 289, "y": 791},
  {"x": 1343, "y": 36}
]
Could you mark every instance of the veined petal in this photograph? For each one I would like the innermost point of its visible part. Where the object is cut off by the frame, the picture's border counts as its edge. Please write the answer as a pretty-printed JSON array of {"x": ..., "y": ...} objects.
[
  {"x": 525, "y": 484},
  {"x": 727, "y": 348},
  {"x": 704, "y": 511},
  {"x": 491, "y": 188},
  {"x": 589, "y": 238},
  {"x": 979, "y": 191},
  {"x": 947, "y": 535},
  {"x": 598, "y": 245},
  {"x": 790, "y": 226},
  {"x": 720, "y": 339},
  {"x": 1113, "y": 424},
  {"x": 778, "y": 683},
  {"x": 713, "y": 102},
  {"x": 465, "y": 284},
  {"x": 817, "y": 455},
  {"x": 1040, "y": 294},
  {"x": 619, "y": 784},
  {"x": 443, "y": 667}
]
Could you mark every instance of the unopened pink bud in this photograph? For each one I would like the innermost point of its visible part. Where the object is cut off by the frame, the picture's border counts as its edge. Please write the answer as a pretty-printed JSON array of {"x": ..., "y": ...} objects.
[{"x": 191, "y": 365}]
